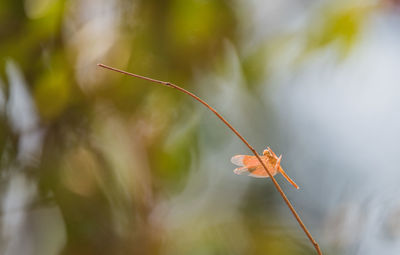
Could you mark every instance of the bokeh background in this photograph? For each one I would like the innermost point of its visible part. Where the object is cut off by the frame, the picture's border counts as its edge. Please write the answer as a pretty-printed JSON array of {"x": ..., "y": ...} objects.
[{"x": 94, "y": 162}]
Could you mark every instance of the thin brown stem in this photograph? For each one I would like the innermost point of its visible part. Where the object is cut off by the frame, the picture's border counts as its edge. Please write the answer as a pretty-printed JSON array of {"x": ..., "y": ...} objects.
[{"x": 278, "y": 187}]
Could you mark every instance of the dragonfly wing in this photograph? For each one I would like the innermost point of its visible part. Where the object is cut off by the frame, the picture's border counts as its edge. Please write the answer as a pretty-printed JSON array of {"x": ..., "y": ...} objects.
[
  {"x": 244, "y": 170},
  {"x": 260, "y": 172},
  {"x": 245, "y": 160},
  {"x": 258, "y": 176},
  {"x": 238, "y": 160},
  {"x": 257, "y": 171}
]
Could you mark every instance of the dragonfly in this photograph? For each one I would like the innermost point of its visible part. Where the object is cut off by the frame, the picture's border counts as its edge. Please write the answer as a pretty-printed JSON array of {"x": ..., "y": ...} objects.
[{"x": 252, "y": 167}]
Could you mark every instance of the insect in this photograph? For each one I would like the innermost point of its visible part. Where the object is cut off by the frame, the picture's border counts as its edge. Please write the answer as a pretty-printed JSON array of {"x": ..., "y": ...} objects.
[{"x": 251, "y": 166}]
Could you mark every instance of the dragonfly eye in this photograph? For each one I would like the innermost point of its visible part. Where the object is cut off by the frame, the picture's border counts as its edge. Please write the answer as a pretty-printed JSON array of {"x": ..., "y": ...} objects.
[{"x": 267, "y": 153}]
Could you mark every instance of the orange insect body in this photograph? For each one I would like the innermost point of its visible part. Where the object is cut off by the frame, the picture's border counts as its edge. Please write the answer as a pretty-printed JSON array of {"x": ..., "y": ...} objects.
[{"x": 252, "y": 167}]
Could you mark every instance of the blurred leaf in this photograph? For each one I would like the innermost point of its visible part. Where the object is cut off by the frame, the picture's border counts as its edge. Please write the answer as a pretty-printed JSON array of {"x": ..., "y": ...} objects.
[
  {"x": 52, "y": 93},
  {"x": 339, "y": 24}
]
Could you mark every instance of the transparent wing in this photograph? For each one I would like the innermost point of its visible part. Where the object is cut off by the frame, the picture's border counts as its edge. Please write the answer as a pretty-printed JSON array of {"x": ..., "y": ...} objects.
[
  {"x": 238, "y": 160},
  {"x": 244, "y": 170},
  {"x": 253, "y": 171},
  {"x": 245, "y": 160}
]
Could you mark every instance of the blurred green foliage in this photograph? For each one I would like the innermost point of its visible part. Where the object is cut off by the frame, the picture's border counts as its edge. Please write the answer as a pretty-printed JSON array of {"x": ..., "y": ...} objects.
[{"x": 340, "y": 25}]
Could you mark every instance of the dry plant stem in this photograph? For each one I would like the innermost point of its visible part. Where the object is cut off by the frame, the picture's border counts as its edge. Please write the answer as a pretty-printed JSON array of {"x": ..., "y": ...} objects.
[{"x": 278, "y": 187}]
